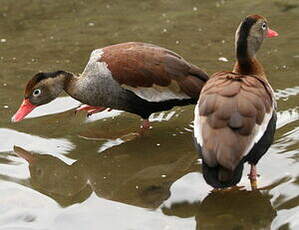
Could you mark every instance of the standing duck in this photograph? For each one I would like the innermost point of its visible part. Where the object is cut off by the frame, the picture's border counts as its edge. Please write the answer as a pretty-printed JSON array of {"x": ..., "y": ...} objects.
[
  {"x": 235, "y": 116},
  {"x": 135, "y": 77}
]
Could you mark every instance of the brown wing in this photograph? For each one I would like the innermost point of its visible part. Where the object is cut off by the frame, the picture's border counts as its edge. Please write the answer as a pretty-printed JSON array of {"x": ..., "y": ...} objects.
[
  {"x": 144, "y": 67},
  {"x": 232, "y": 114}
]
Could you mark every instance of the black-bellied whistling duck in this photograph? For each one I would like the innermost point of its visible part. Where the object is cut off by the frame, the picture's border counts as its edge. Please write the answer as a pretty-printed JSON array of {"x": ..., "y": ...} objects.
[
  {"x": 135, "y": 77},
  {"x": 235, "y": 116}
]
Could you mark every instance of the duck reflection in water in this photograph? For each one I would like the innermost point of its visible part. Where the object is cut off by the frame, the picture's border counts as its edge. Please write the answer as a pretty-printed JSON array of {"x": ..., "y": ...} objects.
[
  {"x": 145, "y": 185},
  {"x": 226, "y": 210}
]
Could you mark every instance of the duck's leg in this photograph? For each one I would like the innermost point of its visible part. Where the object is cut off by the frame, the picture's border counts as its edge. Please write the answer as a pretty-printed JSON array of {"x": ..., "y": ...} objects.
[
  {"x": 144, "y": 126},
  {"x": 91, "y": 109},
  {"x": 253, "y": 176}
]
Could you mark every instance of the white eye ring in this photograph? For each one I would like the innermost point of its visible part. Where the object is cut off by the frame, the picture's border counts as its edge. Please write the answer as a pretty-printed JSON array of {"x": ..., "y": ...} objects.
[
  {"x": 264, "y": 26},
  {"x": 36, "y": 92}
]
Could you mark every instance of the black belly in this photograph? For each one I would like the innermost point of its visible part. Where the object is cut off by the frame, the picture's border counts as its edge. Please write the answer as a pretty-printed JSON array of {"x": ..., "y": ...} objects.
[{"x": 144, "y": 108}]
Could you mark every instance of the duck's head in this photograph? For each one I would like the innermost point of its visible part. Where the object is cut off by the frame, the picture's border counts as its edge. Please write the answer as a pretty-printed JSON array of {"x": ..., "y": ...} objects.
[
  {"x": 250, "y": 35},
  {"x": 40, "y": 90}
]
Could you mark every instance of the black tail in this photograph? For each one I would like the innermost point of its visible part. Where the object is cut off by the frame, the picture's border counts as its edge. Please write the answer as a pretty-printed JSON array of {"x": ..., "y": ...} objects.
[{"x": 219, "y": 177}]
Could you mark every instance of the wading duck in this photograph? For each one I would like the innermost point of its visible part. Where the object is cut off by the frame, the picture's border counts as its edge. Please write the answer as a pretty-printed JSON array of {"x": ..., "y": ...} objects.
[
  {"x": 135, "y": 77},
  {"x": 235, "y": 115}
]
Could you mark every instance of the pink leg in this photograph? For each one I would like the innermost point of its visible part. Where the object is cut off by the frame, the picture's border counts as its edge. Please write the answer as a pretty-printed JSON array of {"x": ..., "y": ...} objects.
[
  {"x": 253, "y": 176},
  {"x": 144, "y": 126},
  {"x": 91, "y": 109}
]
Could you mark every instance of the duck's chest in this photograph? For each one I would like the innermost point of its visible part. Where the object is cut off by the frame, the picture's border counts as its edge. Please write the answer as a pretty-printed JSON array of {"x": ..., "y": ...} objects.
[{"x": 99, "y": 90}]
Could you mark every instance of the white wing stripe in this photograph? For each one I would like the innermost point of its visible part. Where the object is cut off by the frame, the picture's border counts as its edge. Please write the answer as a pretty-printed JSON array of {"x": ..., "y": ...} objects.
[
  {"x": 259, "y": 131},
  {"x": 156, "y": 93},
  {"x": 197, "y": 126},
  {"x": 95, "y": 67}
]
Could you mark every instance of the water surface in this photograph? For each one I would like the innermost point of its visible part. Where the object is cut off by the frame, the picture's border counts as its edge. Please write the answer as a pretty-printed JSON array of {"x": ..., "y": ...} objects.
[{"x": 84, "y": 174}]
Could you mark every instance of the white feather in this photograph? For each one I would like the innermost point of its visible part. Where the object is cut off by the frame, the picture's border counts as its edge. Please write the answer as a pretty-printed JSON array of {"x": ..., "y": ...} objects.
[
  {"x": 156, "y": 93},
  {"x": 258, "y": 132},
  {"x": 95, "y": 67},
  {"x": 197, "y": 125}
]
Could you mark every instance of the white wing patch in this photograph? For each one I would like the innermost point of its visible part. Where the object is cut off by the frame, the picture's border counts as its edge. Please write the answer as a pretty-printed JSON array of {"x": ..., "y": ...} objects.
[
  {"x": 95, "y": 67},
  {"x": 258, "y": 132},
  {"x": 197, "y": 125},
  {"x": 158, "y": 93}
]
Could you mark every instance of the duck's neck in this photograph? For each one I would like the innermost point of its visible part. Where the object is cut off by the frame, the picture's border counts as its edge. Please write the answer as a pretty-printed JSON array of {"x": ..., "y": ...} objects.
[
  {"x": 71, "y": 85},
  {"x": 86, "y": 90},
  {"x": 250, "y": 66},
  {"x": 246, "y": 63},
  {"x": 68, "y": 82}
]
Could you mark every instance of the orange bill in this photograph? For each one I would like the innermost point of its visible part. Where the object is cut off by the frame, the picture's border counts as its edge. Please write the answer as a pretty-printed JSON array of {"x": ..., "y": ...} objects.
[
  {"x": 25, "y": 108},
  {"x": 271, "y": 33}
]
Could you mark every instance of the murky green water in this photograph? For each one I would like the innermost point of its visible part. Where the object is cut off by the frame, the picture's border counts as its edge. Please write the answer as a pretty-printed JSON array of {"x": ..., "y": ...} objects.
[{"x": 82, "y": 175}]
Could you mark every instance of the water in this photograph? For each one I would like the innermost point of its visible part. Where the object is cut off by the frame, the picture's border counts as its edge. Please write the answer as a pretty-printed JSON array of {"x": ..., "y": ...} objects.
[{"x": 82, "y": 173}]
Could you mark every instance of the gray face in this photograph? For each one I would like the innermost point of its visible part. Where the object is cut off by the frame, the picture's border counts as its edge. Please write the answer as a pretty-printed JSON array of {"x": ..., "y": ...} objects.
[
  {"x": 253, "y": 32},
  {"x": 45, "y": 90},
  {"x": 40, "y": 95},
  {"x": 258, "y": 33}
]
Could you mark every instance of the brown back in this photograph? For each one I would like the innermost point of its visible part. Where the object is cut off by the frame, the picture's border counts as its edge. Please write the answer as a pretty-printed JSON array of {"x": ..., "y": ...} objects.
[
  {"x": 230, "y": 108},
  {"x": 144, "y": 65}
]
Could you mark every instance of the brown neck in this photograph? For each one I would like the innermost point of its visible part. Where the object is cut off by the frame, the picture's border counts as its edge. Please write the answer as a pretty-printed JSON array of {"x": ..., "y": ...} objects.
[
  {"x": 249, "y": 66},
  {"x": 68, "y": 81},
  {"x": 70, "y": 85}
]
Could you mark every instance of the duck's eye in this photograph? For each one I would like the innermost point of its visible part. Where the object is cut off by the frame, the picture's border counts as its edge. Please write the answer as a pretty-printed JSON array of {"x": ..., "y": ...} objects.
[
  {"x": 36, "y": 92},
  {"x": 264, "y": 26}
]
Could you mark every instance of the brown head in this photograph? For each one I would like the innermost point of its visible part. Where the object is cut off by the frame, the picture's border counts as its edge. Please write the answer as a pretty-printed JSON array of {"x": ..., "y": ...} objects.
[
  {"x": 40, "y": 90},
  {"x": 250, "y": 35}
]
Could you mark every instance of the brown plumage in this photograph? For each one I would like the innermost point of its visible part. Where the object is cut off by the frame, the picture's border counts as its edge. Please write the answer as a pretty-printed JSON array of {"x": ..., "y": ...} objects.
[
  {"x": 235, "y": 115},
  {"x": 146, "y": 65},
  {"x": 232, "y": 109}
]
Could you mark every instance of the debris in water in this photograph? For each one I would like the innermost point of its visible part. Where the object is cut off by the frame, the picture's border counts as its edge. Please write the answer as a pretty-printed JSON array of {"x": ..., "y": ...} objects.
[
  {"x": 223, "y": 59},
  {"x": 199, "y": 161}
]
